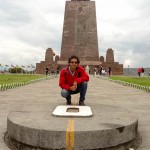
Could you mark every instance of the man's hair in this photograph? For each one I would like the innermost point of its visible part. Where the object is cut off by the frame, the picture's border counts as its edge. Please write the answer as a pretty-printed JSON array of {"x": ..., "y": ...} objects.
[{"x": 74, "y": 57}]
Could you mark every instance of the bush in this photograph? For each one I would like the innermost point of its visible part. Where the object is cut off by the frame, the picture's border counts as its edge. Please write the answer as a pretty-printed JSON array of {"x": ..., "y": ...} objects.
[{"x": 16, "y": 70}]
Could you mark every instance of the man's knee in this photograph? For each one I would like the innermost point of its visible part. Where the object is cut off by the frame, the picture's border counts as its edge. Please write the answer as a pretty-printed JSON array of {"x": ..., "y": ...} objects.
[
  {"x": 84, "y": 84},
  {"x": 64, "y": 93}
]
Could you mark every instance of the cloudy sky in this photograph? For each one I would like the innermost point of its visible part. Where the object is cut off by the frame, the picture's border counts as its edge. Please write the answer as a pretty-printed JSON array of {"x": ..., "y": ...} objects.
[{"x": 29, "y": 27}]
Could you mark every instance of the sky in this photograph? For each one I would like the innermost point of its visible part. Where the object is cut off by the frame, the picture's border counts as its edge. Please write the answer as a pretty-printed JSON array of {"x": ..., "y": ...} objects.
[{"x": 29, "y": 27}]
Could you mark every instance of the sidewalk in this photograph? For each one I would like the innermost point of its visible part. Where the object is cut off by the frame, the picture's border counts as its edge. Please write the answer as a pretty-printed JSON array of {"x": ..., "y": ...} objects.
[{"x": 40, "y": 95}]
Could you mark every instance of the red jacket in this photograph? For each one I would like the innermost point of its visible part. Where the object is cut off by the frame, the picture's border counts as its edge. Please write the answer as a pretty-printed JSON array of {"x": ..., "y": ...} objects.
[
  {"x": 140, "y": 70},
  {"x": 67, "y": 79}
]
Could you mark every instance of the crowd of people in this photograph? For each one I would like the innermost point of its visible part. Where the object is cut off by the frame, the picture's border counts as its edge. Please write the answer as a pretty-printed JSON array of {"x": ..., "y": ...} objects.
[
  {"x": 102, "y": 71},
  {"x": 47, "y": 71},
  {"x": 97, "y": 70}
]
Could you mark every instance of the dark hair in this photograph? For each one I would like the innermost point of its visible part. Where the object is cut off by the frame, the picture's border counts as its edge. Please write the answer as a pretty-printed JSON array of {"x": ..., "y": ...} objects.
[{"x": 74, "y": 57}]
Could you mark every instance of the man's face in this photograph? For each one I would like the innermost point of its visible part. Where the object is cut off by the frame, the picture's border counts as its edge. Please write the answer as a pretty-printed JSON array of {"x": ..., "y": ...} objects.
[{"x": 73, "y": 63}]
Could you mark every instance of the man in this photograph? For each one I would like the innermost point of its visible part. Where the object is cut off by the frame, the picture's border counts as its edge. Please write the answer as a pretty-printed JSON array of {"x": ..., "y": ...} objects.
[
  {"x": 47, "y": 70},
  {"x": 142, "y": 71},
  {"x": 73, "y": 79},
  {"x": 52, "y": 70},
  {"x": 101, "y": 68},
  {"x": 139, "y": 71},
  {"x": 109, "y": 71}
]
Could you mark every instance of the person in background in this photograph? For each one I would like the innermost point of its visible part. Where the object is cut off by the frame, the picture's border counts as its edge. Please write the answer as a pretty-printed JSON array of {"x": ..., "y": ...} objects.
[
  {"x": 109, "y": 71},
  {"x": 142, "y": 72},
  {"x": 100, "y": 71},
  {"x": 95, "y": 71},
  {"x": 47, "y": 69},
  {"x": 52, "y": 71},
  {"x": 57, "y": 71},
  {"x": 139, "y": 71},
  {"x": 103, "y": 72},
  {"x": 87, "y": 69}
]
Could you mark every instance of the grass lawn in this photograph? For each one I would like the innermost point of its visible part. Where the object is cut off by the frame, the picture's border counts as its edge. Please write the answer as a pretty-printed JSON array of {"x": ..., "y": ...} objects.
[
  {"x": 10, "y": 78},
  {"x": 145, "y": 81}
]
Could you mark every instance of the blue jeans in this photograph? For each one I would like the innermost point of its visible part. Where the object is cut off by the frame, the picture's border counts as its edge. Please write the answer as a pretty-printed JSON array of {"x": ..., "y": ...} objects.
[{"x": 81, "y": 88}]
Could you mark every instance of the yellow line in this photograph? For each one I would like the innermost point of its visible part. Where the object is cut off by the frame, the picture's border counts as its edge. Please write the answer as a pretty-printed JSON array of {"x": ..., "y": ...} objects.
[{"x": 70, "y": 135}]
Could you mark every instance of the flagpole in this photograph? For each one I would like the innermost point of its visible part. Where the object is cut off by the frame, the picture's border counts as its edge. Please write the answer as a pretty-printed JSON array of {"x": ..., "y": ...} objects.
[{"x": 21, "y": 69}]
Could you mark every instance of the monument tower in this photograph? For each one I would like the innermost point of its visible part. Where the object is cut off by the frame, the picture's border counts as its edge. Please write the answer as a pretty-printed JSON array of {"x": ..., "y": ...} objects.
[
  {"x": 80, "y": 38},
  {"x": 80, "y": 33}
]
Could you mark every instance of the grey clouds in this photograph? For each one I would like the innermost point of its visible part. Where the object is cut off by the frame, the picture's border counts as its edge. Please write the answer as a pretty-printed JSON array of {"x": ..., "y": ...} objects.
[{"x": 29, "y": 27}]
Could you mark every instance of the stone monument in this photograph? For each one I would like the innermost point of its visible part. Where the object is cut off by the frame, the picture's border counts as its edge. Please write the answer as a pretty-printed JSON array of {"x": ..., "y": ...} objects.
[
  {"x": 117, "y": 69},
  {"x": 110, "y": 55},
  {"x": 49, "y": 62},
  {"x": 80, "y": 38},
  {"x": 80, "y": 33}
]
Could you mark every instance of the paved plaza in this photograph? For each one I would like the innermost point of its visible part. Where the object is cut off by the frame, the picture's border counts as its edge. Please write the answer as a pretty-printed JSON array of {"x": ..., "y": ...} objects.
[{"x": 37, "y": 97}]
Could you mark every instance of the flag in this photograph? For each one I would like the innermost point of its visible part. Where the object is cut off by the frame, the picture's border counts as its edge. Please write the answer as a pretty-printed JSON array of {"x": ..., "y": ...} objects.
[
  {"x": 28, "y": 66},
  {"x": 17, "y": 66},
  {"x": 0, "y": 65},
  {"x": 6, "y": 66},
  {"x": 32, "y": 66},
  {"x": 12, "y": 65},
  {"x": 23, "y": 66}
]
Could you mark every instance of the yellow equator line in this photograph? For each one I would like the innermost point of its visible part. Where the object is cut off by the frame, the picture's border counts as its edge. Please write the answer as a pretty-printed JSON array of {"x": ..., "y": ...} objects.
[{"x": 70, "y": 135}]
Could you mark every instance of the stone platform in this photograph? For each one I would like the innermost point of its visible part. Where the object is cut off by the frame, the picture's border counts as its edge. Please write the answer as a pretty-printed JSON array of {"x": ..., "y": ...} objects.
[
  {"x": 109, "y": 126},
  {"x": 45, "y": 96}
]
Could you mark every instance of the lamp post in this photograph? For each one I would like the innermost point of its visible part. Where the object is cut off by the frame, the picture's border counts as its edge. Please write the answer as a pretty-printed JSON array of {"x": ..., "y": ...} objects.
[{"x": 128, "y": 71}]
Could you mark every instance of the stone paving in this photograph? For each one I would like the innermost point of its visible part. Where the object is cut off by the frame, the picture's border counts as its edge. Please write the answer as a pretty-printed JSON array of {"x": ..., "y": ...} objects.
[{"x": 40, "y": 95}]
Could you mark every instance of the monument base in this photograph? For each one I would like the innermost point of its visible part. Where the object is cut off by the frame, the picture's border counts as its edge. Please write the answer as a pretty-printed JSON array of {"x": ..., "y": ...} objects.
[
  {"x": 109, "y": 127},
  {"x": 90, "y": 63},
  {"x": 14, "y": 145}
]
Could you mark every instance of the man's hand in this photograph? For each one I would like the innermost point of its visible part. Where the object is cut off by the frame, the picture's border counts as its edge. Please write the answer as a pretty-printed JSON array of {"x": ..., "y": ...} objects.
[
  {"x": 74, "y": 87},
  {"x": 75, "y": 84}
]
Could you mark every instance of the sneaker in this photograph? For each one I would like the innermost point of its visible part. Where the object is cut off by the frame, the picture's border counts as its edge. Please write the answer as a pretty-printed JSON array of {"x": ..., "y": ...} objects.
[
  {"x": 68, "y": 102},
  {"x": 81, "y": 103}
]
